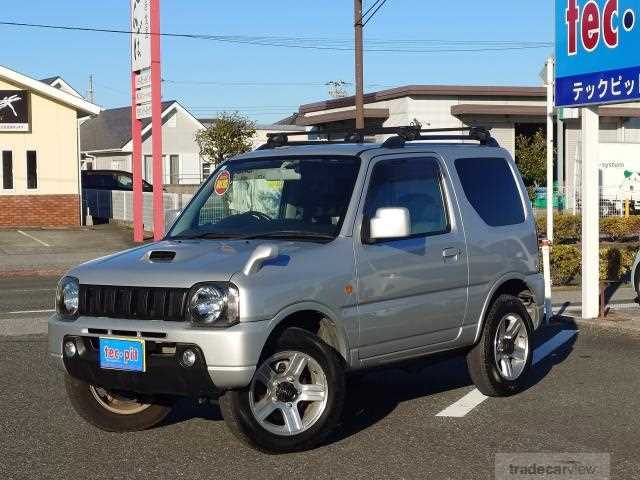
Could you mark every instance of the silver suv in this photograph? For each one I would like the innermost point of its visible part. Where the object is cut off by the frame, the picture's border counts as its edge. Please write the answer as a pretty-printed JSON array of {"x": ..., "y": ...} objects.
[{"x": 298, "y": 264}]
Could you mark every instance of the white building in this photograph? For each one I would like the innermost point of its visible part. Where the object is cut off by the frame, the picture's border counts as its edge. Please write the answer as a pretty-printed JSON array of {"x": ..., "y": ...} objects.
[
  {"x": 508, "y": 111},
  {"x": 106, "y": 143}
]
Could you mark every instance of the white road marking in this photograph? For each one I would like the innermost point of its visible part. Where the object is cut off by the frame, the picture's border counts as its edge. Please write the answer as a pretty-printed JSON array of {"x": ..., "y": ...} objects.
[
  {"x": 463, "y": 406},
  {"x": 33, "y": 238},
  {"x": 550, "y": 345},
  {"x": 474, "y": 398},
  {"x": 10, "y": 327},
  {"x": 24, "y": 312},
  {"x": 29, "y": 290}
]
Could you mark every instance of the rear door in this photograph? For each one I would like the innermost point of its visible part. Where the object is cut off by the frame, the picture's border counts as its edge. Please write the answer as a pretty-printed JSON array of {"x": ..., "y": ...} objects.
[{"x": 412, "y": 292}]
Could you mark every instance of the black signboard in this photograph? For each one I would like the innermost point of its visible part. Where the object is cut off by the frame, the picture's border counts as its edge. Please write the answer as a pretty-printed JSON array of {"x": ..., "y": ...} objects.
[{"x": 14, "y": 111}]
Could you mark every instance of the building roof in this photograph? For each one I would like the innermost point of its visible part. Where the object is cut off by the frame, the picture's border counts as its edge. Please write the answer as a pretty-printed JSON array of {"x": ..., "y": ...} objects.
[
  {"x": 290, "y": 120},
  {"x": 42, "y": 88},
  {"x": 50, "y": 80},
  {"x": 341, "y": 115},
  {"x": 111, "y": 130},
  {"x": 59, "y": 82},
  {"x": 431, "y": 90}
]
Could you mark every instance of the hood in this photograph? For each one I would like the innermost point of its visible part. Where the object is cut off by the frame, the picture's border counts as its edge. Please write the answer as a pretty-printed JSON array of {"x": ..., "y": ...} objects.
[{"x": 175, "y": 263}]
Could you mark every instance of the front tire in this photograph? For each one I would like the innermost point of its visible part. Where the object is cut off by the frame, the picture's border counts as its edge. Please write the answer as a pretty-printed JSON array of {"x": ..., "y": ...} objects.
[
  {"x": 295, "y": 399},
  {"x": 113, "y": 412},
  {"x": 501, "y": 360}
]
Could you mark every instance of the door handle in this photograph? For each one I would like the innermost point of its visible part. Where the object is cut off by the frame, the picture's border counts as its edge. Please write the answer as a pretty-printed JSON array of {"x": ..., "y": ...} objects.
[{"x": 449, "y": 253}]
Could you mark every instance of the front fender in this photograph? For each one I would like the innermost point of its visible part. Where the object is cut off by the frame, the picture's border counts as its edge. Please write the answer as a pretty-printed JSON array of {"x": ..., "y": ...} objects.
[{"x": 334, "y": 317}]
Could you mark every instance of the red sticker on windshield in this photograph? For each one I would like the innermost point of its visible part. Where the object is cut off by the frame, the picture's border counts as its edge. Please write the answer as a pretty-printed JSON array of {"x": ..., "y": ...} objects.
[{"x": 222, "y": 183}]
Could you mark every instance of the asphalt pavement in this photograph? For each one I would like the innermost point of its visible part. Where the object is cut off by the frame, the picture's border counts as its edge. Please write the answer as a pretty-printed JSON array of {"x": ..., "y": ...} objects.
[{"x": 582, "y": 398}]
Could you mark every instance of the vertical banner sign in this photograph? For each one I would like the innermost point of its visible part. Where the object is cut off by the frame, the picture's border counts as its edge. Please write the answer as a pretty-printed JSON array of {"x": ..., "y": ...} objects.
[
  {"x": 141, "y": 35},
  {"x": 597, "y": 45}
]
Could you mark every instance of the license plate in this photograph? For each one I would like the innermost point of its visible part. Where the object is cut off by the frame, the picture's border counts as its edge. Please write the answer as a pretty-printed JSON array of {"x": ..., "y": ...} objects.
[{"x": 122, "y": 354}]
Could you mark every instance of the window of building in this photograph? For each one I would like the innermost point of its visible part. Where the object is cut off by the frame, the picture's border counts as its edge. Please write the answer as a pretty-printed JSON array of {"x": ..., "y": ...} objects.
[
  {"x": 174, "y": 169},
  {"x": 415, "y": 184},
  {"x": 32, "y": 170},
  {"x": 148, "y": 168},
  {"x": 7, "y": 170},
  {"x": 491, "y": 189}
]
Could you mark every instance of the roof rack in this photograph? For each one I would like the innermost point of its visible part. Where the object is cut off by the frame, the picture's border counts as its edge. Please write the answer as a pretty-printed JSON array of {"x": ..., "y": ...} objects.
[{"x": 401, "y": 135}]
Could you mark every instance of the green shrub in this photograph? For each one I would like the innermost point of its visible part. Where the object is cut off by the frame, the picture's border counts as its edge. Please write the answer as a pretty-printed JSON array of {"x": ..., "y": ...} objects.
[
  {"x": 615, "y": 263},
  {"x": 620, "y": 228},
  {"x": 611, "y": 267},
  {"x": 567, "y": 228},
  {"x": 565, "y": 264}
]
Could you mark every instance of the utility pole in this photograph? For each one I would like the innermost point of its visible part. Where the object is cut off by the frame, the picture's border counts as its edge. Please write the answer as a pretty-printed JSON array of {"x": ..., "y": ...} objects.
[
  {"x": 359, "y": 64},
  {"x": 90, "y": 92}
]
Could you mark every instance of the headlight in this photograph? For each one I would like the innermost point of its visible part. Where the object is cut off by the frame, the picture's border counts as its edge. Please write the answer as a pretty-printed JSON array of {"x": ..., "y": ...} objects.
[
  {"x": 68, "y": 296},
  {"x": 213, "y": 305}
]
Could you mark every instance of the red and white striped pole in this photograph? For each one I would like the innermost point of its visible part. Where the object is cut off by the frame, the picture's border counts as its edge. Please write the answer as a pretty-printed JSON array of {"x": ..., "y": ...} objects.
[{"x": 156, "y": 123}]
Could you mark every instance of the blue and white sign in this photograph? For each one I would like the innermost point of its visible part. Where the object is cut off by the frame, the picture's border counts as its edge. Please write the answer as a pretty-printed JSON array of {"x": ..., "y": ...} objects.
[
  {"x": 122, "y": 354},
  {"x": 597, "y": 52}
]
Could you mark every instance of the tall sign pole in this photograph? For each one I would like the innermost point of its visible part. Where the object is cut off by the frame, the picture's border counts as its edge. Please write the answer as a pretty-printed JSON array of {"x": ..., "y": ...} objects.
[
  {"x": 549, "y": 83},
  {"x": 140, "y": 77},
  {"x": 156, "y": 123},
  {"x": 136, "y": 165},
  {"x": 359, "y": 64},
  {"x": 597, "y": 44}
]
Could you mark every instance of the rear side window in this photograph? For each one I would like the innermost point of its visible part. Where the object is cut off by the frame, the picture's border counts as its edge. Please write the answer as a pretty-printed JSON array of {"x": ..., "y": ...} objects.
[{"x": 491, "y": 189}]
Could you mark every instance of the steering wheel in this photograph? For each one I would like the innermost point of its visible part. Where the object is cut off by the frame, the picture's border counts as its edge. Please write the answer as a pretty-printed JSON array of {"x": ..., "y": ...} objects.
[{"x": 258, "y": 215}]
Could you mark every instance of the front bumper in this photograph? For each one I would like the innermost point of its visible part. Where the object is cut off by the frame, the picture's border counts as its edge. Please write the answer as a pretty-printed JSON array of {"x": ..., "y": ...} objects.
[
  {"x": 230, "y": 355},
  {"x": 164, "y": 374}
]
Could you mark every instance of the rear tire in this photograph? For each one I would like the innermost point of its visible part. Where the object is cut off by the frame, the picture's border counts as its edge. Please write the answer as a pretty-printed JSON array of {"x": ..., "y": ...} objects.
[
  {"x": 120, "y": 414},
  {"x": 498, "y": 364},
  {"x": 301, "y": 406}
]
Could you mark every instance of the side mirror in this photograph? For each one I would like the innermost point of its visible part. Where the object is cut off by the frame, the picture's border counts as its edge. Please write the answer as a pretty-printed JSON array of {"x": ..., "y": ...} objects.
[{"x": 390, "y": 223}]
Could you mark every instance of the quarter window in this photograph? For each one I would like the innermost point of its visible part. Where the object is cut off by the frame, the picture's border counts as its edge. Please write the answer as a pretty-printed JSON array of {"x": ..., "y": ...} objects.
[
  {"x": 491, "y": 189},
  {"x": 32, "y": 170},
  {"x": 7, "y": 170},
  {"x": 415, "y": 184}
]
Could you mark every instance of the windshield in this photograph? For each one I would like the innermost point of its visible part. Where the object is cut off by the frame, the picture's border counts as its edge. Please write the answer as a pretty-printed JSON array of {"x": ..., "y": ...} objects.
[{"x": 303, "y": 198}]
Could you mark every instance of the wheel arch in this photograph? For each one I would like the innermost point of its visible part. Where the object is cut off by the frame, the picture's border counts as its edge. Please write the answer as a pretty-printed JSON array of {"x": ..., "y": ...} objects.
[
  {"x": 511, "y": 284},
  {"x": 315, "y": 318}
]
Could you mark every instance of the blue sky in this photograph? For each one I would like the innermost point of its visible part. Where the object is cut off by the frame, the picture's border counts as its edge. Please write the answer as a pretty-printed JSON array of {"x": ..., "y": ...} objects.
[{"x": 75, "y": 55}]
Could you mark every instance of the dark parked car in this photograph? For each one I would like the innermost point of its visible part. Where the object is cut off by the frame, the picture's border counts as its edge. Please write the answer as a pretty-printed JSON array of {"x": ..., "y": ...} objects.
[{"x": 111, "y": 180}]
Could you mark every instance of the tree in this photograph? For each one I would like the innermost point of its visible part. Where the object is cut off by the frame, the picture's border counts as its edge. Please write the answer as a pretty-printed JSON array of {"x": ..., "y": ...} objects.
[
  {"x": 531, "y": 158},
  {"x": 229, "y": 134}
]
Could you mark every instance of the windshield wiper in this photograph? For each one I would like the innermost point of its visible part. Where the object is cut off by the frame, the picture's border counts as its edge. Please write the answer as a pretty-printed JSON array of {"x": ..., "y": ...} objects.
[
  {"x": 289, "y": 234},
  {"x": 210, "y": 235}
]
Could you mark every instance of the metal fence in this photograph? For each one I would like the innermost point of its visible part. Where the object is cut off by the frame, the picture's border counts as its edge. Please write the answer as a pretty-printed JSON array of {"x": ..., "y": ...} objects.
[
  {"x": 118, "y": 205},
  {"x": 614, "y": 202}
]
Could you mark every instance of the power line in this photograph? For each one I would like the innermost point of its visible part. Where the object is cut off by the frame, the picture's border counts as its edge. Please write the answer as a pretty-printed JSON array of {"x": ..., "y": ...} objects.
[
  {"x": 379, "y": 46},
  {"x": 373, "y": 14},
  {"x": 261, "y": 84},
  {"x": 371, "y": 8}
]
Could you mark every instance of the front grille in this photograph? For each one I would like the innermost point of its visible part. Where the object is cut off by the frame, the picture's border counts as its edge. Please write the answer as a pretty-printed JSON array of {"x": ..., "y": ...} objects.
[{"x": 138, "y": 303}]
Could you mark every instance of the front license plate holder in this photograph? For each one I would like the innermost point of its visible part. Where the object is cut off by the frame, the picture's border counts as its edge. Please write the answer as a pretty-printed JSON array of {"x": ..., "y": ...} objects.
[{"x": 126, "y": 354}]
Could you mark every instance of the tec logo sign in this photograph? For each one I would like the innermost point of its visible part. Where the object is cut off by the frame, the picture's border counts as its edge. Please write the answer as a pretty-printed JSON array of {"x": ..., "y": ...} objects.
[{"x": 593, "y": 24}]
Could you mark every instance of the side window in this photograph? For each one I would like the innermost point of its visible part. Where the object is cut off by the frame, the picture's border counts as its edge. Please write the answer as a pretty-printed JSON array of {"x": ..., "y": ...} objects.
[
  {"x": 32, "y": 170},
  {"x": 124, "y": 181},
  {"x": 491, "y": 189},
  {"x": 415, "y": 184},
  {"x": 7, "y": 170}
]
